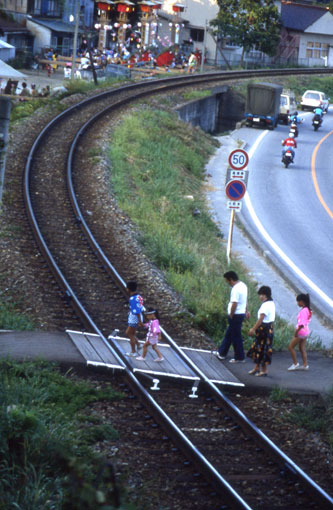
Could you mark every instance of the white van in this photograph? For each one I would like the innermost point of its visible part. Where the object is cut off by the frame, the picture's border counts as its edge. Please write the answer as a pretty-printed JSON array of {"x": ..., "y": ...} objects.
[{"x": 288, "y": 105}]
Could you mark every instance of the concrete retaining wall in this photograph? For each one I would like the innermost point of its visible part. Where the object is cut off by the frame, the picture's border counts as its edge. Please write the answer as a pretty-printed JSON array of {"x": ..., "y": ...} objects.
[{"x": 216, "y": 113}]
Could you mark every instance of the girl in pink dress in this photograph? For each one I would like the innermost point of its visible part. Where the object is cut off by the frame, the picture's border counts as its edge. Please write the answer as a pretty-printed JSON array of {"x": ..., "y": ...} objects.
[
  {"x": 153, "y": 335},
  {"x": 301, "y": 332}
]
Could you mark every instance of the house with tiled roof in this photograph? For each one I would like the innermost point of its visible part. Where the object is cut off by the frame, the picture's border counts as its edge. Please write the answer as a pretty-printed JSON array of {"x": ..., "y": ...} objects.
[
  {"x": 307, "y": 34},
  {"x": 15, "y": 34}
]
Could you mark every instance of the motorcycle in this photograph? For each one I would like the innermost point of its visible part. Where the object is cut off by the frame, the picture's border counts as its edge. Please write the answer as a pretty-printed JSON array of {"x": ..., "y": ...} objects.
[
  {"x": 317, "y": 121},
  {"x": 293, "y": 129},
  {"x": 287, "y": 158}
]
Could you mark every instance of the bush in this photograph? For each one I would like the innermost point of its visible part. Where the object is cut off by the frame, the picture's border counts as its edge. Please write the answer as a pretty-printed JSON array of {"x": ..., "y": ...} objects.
[{"x": 46, "y": 460}]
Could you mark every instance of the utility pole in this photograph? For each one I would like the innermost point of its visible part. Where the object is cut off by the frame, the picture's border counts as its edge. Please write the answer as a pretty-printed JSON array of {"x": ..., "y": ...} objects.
[{"x": 76, "y": 32}]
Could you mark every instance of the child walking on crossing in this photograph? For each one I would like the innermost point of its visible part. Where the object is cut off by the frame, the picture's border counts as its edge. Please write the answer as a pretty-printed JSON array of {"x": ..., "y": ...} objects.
[
  {"x": 301, "y": 333},
  {"x": 153, "y": 335},
  {"x": 136, "y": 309}
]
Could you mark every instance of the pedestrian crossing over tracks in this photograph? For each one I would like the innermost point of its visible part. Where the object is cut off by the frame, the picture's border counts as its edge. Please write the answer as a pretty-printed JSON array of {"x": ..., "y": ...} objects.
[{"x": 96, "y": 352}]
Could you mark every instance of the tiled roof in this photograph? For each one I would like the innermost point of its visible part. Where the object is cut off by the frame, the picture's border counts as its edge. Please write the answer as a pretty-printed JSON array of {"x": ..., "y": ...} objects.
[
  {"x": 8, "y": 26},
  {"x": 55, "y": 25},
  {"x": 300, "y": 16}
]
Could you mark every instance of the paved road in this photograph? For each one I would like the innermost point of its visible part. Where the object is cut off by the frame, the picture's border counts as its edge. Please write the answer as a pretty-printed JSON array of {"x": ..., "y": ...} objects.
[{"x": 291, "y": 209}]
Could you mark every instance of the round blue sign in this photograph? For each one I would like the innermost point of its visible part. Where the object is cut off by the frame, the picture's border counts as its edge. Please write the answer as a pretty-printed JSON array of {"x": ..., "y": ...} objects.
[{"x": 235, "y": 190}]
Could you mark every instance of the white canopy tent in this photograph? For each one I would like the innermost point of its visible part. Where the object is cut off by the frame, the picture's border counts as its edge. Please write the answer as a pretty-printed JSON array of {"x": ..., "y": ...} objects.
[
  {"x": 7, "y": 51},
  {"x": 6, "y": 72}
]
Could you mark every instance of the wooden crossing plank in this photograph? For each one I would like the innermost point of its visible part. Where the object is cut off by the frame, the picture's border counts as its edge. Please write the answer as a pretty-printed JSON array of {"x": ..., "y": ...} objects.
[
  {"x": 85, "y": 348},
  {"x": 171, "y": 366},
  {"x": 96, "y": 352},
  {"x": 102, "y": 349},
  {"x": 213, "y": 368},
  {"x": 93, "y": 349}
]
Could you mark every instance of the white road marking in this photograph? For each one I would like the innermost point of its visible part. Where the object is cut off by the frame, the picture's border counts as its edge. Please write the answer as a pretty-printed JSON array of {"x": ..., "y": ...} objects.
[{"x": 273, "y": 244}]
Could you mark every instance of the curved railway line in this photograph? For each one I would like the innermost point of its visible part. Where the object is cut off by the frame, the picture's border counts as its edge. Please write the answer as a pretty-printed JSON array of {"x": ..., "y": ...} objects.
[{"x": 232, "y": 454}]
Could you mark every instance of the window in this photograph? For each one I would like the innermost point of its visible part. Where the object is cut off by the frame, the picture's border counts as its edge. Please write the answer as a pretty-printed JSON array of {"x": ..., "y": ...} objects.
[
  {"x": 316, "y": 49},
  {"x": 53, "y": 8},
  {"x": 197, "y": 34}
]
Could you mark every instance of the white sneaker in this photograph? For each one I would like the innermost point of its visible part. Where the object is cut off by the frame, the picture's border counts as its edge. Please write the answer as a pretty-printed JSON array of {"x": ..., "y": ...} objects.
[
  {"x": 218, "y": 355},
  {"x": 304, "y": 367},
  {"x": 294, "y": 367},
  {"x": 131, "y": 354}
]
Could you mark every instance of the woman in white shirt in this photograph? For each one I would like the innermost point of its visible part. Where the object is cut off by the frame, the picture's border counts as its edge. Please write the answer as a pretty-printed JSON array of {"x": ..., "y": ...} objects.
[{"x": 261, "y": 349}]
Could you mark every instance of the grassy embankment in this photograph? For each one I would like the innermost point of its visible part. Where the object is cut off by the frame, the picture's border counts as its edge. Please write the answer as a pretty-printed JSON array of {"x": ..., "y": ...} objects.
[{"x": 157, "y": 162}]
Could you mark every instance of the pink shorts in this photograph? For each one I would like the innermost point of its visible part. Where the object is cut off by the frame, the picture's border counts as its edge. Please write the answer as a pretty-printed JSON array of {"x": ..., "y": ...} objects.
[{"x": 153, "y": 340}]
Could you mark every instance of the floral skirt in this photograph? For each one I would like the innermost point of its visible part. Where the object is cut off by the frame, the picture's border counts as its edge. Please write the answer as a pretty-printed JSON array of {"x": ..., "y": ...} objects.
[{"x": 261, "y": 349}]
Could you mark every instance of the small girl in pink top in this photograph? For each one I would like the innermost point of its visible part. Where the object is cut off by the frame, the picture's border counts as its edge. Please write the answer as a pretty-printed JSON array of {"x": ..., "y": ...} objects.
[
  {"x": 153, "y": 335},
  {"x": 301, "y": 332}
]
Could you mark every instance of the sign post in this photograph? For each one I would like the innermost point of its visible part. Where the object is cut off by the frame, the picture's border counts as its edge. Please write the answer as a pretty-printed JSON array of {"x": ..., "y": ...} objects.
[{"x": 235, "y": 188}]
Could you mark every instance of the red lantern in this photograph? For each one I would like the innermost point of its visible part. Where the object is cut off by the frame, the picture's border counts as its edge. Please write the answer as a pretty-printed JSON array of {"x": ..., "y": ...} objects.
[
  {"x": 144, "y": 8},
  {"x": 103, "y": 7},
  {"x": 123, "y": 8},
  {"x": 178, "y": 8}
]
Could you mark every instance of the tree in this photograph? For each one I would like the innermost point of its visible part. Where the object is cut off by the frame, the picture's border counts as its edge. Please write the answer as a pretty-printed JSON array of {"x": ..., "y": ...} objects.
[{"x": 251, "y": 24}]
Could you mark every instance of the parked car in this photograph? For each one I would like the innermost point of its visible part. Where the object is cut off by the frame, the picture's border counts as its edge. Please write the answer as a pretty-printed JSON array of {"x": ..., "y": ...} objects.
[
  {"x": 313, "y": 98},
  {"x": 288, "y": 106}
]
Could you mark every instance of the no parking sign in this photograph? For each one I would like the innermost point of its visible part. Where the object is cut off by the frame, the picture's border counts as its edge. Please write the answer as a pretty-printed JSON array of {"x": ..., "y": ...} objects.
[{"x": 235, "y": 189}]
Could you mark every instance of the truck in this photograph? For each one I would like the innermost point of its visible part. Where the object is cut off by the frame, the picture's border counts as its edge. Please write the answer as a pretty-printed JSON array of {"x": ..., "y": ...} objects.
[{"x": 263, "y": 104}]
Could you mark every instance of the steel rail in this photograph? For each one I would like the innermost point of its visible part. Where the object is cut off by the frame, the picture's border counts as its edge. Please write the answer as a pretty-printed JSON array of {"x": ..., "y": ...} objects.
[{"x": 177, "y": 435}]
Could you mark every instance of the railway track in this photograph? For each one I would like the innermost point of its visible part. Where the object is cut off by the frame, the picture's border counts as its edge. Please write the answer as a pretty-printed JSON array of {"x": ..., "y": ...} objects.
[{"x": 236, "y": 458}]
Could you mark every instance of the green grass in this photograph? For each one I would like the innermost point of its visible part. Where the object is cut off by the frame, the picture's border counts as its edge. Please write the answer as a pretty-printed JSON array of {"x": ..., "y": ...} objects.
[
  {"x": 157, "y": 162},
  {"x": 84, "y": 86},
  {"x": 278, "y": 394},
  {"x": 45, "y": 440},
  {"x": 191, "y": 95},
  {"x": 23, "y": 109},
  {"x": 11, "y": 319},
  {"x": 315, "y": 417}
]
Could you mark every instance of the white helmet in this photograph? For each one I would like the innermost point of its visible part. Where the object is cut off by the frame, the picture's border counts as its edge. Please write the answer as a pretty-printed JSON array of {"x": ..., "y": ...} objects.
[{"x": 291, "y": 135}]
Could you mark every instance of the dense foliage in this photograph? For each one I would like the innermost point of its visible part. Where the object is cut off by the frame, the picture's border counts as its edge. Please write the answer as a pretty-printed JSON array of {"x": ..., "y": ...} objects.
[
  {"x": 250, "y": 24},
  {"x": 46, "y": 438}
]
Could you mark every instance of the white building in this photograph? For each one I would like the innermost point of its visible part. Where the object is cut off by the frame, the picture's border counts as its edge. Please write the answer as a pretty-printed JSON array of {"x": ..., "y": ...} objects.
[{"x": 307, "y": 34}]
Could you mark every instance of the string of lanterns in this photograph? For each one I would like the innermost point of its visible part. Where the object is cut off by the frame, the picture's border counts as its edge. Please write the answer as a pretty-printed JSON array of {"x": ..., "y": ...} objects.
[{"x": 147, "y": 25}]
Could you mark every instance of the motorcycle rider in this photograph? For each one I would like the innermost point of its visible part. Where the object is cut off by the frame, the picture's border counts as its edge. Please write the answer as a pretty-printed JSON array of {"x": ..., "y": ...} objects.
[
  {"x": 319, "y": 111},
  {"x": 318, "y": 116},
  {"x": 296, "y": 119},
  {"x": 289, "y": 144}
]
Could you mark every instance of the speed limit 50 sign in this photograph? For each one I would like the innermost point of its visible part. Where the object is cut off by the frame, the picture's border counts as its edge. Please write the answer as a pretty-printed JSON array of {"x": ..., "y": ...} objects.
[{"x": 238, "y": 159}]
